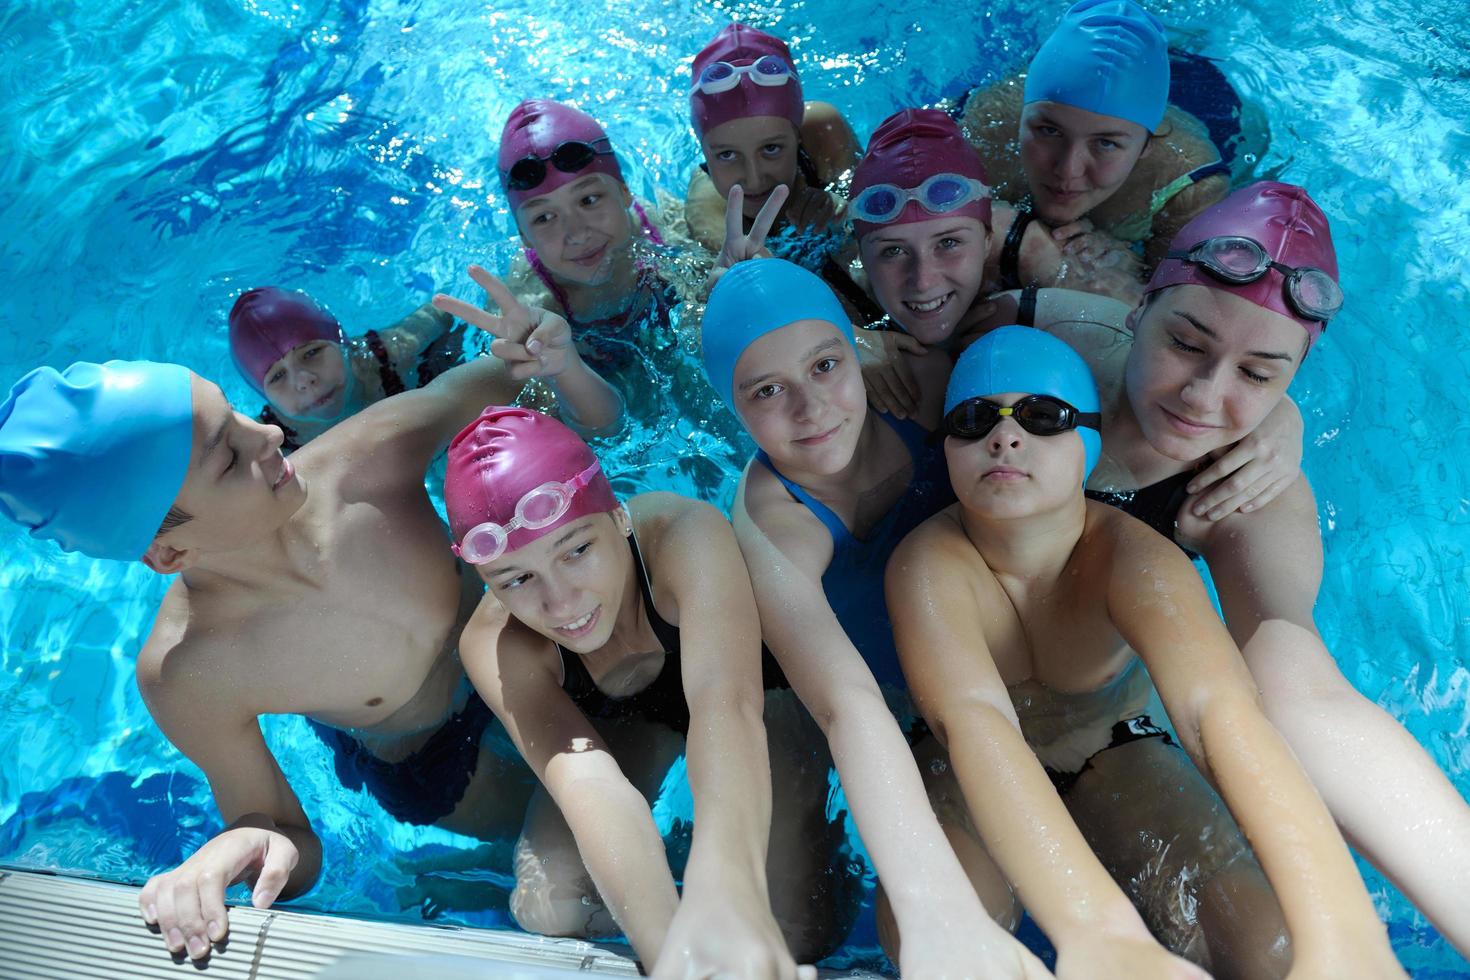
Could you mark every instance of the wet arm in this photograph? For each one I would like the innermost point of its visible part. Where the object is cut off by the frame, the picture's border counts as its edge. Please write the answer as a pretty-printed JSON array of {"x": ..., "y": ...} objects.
[
  {"x": 1161, "y": 609},
  {"x": 407, "y": 339},
  {"x": 704, "y": 211},
  {"x": 608, "y": 816}
]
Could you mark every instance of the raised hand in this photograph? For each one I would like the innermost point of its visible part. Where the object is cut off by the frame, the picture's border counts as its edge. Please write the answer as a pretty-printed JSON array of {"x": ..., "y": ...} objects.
[
  {"x": 533, "y": 342},
  {"x": 739, "y": 245},
  {"x": 892, "y": 387},
  {"x": 187, "y": 904}
]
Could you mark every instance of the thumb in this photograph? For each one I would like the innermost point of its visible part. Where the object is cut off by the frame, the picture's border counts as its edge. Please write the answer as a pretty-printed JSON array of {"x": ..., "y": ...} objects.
[{"x": 279, "y": 859}]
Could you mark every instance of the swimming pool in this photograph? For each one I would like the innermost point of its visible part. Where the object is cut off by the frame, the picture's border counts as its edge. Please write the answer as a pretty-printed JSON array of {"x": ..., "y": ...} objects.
[{"x": 162, "y": 156}]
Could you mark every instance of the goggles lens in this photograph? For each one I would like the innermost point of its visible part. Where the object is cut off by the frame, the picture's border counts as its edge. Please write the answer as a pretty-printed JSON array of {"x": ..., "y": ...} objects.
[
  {"x": 1040, "y": 415},
  {"x": 540, "y": 507},
  {"x": 940, "y": 194},
  {"x": 568, "y": 157},
  {"x": 1237, "y": 261},
  {"x": 722, "y": 76}
]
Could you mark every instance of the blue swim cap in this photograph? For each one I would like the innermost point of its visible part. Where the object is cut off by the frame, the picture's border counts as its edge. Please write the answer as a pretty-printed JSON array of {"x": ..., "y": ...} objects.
[
  {"x": 92, "y": 457},
  {"x": 754, "y": 298},
  {"x": 1032, "y": 362},
  {"x": 1108, "y": 57}
]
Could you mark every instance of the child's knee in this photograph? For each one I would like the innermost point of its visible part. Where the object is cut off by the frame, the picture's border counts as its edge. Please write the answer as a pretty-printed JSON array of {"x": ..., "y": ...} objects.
[{"x": 550, "y": 907}]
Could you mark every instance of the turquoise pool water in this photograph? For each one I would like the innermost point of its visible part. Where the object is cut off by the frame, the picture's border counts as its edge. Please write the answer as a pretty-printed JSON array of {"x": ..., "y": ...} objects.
[{"x": 161, "y": 156}]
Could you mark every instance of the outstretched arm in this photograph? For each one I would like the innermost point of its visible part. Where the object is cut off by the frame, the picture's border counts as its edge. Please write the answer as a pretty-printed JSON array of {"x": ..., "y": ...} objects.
[
  {"x": 724, "y": 923},
  {"x": 1160, "y": 608},
  {"x": 407, "y": 339},
  {"x": 608, "y": 816},
  {"x": 1267, "y": 568},
  {"x": 940, "y": 601},
  {"x": 945, "y": 930}
]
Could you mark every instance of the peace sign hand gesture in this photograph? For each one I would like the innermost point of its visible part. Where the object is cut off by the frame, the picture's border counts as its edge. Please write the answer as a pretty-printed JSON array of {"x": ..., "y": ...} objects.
[
  {"x": 533, "y": 342},
  {"x": 738, "y": 245}
]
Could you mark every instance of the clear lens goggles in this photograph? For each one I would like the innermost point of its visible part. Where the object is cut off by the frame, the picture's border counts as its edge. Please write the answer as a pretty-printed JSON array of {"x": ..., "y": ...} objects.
[
  {"x": 568, "y": 157},
  {"x": 1237, "y": 260},
  {"x": 723, "y": 76},
  {"x": 1040, "y": 415},
  {"x": 541, "y": 507},
  {"x": 940, "y": 194}
]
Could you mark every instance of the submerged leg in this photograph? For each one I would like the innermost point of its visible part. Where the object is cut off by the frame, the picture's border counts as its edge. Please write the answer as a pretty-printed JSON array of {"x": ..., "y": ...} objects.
[{"x": 1171, "y": 844}]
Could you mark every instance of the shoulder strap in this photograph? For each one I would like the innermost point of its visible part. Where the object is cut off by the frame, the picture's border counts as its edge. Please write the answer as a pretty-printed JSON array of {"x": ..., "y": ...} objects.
[
  {"x": 833, "y": 523},
  {"x": 1010, "y": 252},
  {"x": 1026, "y": 307}
]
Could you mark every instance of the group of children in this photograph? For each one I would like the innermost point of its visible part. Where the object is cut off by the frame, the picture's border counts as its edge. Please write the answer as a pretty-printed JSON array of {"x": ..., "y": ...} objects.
[{"x": 957, "y": 568}]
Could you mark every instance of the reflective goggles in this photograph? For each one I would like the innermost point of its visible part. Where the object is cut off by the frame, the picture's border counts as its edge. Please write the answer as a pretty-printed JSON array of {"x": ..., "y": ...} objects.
[
  {"x": 541, "y": 507},
  {"x": 1040, "y": 415},
  {"x": 568, "y": 157},
  {"x": 722, "y": 76},
  {"x": 1237, "y": 260},
  {"x": 940, "y": 194}
]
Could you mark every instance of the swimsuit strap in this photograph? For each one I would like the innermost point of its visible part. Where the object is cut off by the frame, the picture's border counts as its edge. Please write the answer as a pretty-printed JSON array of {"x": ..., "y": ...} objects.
[
  {"x": 913, "y": 436},
  {"x": 807, "y": 166},
  {"x": 1010, "y": 252},
  {"x": 392, "y": 383},
  {"x": 1026, "y": 307},
  {"x": 1163, "y": 195},
  {"x": 843, "y": 284}
]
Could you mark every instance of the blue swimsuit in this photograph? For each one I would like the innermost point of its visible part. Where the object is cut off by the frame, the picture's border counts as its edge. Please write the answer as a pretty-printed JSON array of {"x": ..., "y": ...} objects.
[{"x": 853, "y": 580}]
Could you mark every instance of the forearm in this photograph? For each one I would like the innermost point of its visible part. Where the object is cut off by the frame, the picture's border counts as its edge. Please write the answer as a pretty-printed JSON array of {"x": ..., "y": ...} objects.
[
  {"x": 730, "y": 778},
  {"x": 423, "y": 326},
  {"x": 1030, "y": 834},
  {"x": 925, "y": 884},
  {"x": 587, "y": 401},
  {"x": 621, "y": 847},
  {"x": 1346, "y": 743},
  {"x": 1324, "y": 901},
  {"x": 308, "y": 846}
]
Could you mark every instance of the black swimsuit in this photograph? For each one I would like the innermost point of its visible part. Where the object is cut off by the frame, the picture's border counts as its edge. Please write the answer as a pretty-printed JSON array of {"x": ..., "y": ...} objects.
[
  {"x": 661, "y": 700},
  {"x": 1157, "y": 504}
]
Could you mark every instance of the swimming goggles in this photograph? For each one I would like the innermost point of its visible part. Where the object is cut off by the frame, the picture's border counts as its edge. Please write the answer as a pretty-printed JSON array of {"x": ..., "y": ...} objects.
[
  {"x": 722, "y": 76},
  {"x": 568, "y": 157},
  {"x": 1040, "y": 415},
  {"x": 541, "y": 507},
  {"x": 940, "y": 194},
  {"x": 1237, "y": 260}
]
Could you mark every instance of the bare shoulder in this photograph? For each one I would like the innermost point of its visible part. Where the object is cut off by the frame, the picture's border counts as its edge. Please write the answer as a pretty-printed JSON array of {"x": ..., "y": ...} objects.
[
  {"x": 1121, "y": 550},
  {"x": 939, "y": 545},
  {"x": 992, "y": 122},
  {"x": 662, "y": 518},
  {"x": 828, "y": 137},
  {"x": 185, "y": 667},
  {"x": 766, "y": 508}
]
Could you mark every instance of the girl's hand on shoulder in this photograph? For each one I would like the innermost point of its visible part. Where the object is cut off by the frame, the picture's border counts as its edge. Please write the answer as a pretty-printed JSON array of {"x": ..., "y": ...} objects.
[
  {"x": 887, "y": 374},
  {"x": 1250, "y": 474}
]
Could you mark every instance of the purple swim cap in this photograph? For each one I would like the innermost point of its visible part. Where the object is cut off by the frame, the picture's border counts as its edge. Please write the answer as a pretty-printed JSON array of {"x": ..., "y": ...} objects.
[
  {"x": 1286, "y": 222},
  {"x": 740, "y": 45},
  {"x": 536, "y": 128},
  {"x": 907, "y": 149},
  {"x": 268, "y": 323},
  {"x": 506, "y": 453}
]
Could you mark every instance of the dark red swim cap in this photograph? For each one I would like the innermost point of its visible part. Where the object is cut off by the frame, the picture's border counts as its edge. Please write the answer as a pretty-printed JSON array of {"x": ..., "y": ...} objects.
[
  {"x": 1286, "y": 222},
  {"x": 740, "y": 45},
  {"x": 907, "y": 149},
  {"x": 535, "y": 128},
  {"x": 268, "y": 323}
]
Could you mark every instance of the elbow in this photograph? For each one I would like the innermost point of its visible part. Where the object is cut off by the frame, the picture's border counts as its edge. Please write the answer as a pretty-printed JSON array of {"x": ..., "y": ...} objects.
[{"x": 847, "y": 707}]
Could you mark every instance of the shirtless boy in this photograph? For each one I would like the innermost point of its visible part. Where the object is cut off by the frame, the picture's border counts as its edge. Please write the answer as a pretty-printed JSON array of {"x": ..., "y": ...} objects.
[
  {"x": 1021, "y": 613},
  {"x": 317, "y": 586}
]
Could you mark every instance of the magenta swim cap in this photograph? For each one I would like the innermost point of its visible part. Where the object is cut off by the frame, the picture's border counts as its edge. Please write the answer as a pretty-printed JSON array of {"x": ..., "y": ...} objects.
[
  {"x": 907, "y": 149},
  {"x": 1287, "y": 224},
  {"x": 536, "y": 128},
  {"x": 506, "y": 453},
  {"x": 740, "y": 45},
  {"x": 268, "y": 323}
]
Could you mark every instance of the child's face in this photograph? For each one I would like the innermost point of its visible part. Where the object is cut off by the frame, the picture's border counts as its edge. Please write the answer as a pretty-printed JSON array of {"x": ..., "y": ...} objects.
[
  {"x": 799, "y": 392},
  {"x": 1206, "y": 366},
  {"x": 925, "y": 274},
  {"x": 758, "y": 153},
  {"x": 1010, "y": 473},
  {"x": 1075, "y": 159},
  {"x": 580, "y": 229},
  {"x": 567, "y": 585},
  {"x": 310, "y": 382}
]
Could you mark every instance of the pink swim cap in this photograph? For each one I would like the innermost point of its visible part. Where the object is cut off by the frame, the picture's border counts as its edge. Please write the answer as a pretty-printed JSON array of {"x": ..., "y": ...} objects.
[
  {"x": 536, "y": 128},
  {"x": 907, "y": 149},
  {"x": 268, "y": 323},
  {"x": 506, "y": 453},
  {"x": 740, "y": 45},
  {"x": 1287, "y": 224}
]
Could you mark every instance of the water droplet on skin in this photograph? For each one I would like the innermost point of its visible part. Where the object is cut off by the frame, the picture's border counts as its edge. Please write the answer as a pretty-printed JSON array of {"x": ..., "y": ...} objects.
[{"x": 938, "y": 767}]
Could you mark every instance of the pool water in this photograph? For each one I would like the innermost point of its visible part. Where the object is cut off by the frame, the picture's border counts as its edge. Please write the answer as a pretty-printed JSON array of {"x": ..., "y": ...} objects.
[{"x": 161, "y": 156}]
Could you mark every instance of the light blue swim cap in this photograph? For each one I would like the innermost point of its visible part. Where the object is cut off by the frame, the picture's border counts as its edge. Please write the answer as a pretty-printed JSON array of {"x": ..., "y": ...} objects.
[
  {"x": 1106, "y": 56},
  {"x": 1032, "y": 362},
  {"x": 92, "y": 457},
  {"x": 754, "y": 298}
]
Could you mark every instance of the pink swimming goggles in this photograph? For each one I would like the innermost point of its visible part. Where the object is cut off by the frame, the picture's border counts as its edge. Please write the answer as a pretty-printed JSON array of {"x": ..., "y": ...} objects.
[{"x": 540, "y": 507}]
